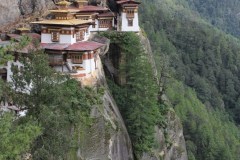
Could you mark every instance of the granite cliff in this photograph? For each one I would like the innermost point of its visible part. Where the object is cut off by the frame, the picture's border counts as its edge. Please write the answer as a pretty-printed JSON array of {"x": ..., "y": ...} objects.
[{"x": 19, "y": 11}]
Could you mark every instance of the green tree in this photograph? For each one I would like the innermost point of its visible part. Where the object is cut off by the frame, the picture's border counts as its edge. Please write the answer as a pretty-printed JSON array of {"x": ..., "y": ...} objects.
[
  {"x": 57, "y": 102},
  {"x": 137, "y": 98},
  {"x": 16, "y": 136}
]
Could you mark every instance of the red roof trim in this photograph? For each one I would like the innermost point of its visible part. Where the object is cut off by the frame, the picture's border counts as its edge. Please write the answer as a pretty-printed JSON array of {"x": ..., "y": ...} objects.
[
  {"x": 127, "y": 1},
  {"x": 79, "y": 46},
  {"x": 55, "y": 46},
  {"x": 84, "y": 46},
  {"x": 108, "y": 14}
]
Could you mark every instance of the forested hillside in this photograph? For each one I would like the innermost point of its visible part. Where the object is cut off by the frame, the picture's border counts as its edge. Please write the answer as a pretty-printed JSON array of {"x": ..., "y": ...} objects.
[
  {"x": 205, "y": 59},
  {"x": 224, "y": 14}
]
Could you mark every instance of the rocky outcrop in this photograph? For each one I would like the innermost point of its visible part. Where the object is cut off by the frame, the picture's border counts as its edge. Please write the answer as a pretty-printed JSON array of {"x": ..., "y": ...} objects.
[
  {"x": 18, "y": 11},
  {"x": 107, "y": 137},
  {"x": 169, "y": 142},
  {"x": 7, "y": 13},
  {"x": 32, "y": 6}
]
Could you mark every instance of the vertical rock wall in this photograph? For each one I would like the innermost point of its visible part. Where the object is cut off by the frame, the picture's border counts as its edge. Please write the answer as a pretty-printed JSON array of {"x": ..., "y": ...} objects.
[
  {"x": 15, "y": 11},
  {"x": 107, "y": 138}
]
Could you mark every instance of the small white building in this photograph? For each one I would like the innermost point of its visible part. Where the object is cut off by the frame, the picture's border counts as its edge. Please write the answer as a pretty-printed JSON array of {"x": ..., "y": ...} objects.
[{"x": 127, "y": 19}]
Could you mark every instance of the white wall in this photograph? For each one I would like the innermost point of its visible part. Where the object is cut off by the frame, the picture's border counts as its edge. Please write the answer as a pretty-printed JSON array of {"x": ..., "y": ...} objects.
[
  {"x": 92, "y": 62},
  {"x": 124, "y": 22},
  {"x": 67, "y": 38},
  {"x": 86, "y": 36},
  {"x": 89, "y": 65},
  {"x": 46, "y": 38}
]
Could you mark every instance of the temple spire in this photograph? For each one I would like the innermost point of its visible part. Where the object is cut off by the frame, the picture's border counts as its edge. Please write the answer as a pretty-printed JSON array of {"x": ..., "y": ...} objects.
[{"x": 63, "y": 4}]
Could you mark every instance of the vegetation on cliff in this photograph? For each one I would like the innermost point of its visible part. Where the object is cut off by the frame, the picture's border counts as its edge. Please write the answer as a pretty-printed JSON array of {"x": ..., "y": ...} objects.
[
  {"x": 56, "y": 107},
  {"x": 137, "y": 98}
]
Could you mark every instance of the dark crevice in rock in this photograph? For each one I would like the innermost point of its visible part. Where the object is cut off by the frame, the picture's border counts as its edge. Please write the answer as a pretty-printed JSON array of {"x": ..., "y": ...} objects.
[{"x": 20, "y": 7}]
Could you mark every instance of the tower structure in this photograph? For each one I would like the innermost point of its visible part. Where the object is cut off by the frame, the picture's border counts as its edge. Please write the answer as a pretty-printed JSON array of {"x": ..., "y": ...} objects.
[{"x": 128, "y": 15}]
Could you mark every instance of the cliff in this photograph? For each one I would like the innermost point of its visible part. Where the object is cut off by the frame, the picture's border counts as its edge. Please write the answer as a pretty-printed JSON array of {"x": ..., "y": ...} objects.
[
  {"x": 15, "y": 12},
  {"x": 107, "y": 137},
  {"x": 169, "y": 142}
]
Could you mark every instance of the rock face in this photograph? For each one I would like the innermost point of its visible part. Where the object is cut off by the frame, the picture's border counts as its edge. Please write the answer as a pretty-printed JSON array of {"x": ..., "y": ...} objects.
[
  {"x": 107, "y": 137},
  {"x": 7, "y": 13},
  {"x": 169, "y": 142},
  {"x": 15, "y": 11},
  {"x": 32, "y": 6}
]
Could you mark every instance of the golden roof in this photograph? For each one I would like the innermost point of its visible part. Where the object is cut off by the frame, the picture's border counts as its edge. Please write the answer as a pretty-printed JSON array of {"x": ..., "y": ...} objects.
[
  {"x": 69, "y": 22},
  {"x": 63, "y": 3},
  {"x": 81, "y": 0},
  {"x": 23, "y": 29}
]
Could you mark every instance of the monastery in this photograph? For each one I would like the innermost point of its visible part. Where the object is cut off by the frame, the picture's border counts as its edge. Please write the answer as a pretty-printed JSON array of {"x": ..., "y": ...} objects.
[{"x": 65, "y": 37}]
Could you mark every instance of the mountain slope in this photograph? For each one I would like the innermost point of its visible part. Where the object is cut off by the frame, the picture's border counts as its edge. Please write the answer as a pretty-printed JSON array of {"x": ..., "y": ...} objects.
[
  {"x": 203, "y": 58},
  {"x": 224, "y": 14}
]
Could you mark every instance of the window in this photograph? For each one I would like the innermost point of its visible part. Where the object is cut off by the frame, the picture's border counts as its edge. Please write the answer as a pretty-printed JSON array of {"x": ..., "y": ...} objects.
[
  {"x": 55, "y": 36},
  {"x": 3, "y": 74},
  {"x": 130, "y": 13},
  {"x": 130, "y": 22},
  {"x": 93, "y": 25},
  {"x": 75, "y": 58},
  {"x": 55, "y": 59},
  {"x": 105, "y": 23},
  {"x": 80, "y": 35}
]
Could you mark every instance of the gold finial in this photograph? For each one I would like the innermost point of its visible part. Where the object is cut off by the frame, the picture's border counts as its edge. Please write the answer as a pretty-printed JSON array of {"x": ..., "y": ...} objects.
[{"x": 63, "y": 3}]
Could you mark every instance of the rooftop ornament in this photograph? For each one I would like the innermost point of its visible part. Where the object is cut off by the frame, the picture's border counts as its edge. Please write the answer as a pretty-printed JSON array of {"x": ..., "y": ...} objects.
[{"x": 63, "y": 4}]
